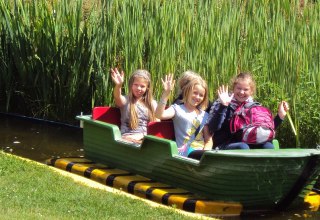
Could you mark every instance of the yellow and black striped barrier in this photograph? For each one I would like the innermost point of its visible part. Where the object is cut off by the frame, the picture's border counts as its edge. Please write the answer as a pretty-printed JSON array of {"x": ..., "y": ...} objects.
[
  {"x": 145, "y": 187},
  {"x": 313, "y": 199}
]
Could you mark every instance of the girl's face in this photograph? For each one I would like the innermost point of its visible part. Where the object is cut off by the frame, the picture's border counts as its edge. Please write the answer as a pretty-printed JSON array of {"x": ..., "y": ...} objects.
[
  {"x": 242, "y": 91},
  {"x": 196, "y": 96},
  {"x": 139, "y": 87}
]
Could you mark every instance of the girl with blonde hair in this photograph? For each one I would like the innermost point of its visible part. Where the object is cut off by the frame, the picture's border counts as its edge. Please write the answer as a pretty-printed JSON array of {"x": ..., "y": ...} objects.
[
  {"x": 138, "y": 107},
  {"x": 188, "y": 116}
]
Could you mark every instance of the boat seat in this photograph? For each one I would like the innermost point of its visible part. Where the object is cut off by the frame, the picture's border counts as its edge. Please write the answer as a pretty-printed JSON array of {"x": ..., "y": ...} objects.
[
  {"x": 112, "y": 115},
  {"x": 107, "y": 114},
  {"x": 162, "y": 129}
]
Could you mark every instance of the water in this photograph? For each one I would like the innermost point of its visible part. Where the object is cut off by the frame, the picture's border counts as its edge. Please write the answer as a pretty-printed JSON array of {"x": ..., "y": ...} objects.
[{"x": 39, "y": 140}]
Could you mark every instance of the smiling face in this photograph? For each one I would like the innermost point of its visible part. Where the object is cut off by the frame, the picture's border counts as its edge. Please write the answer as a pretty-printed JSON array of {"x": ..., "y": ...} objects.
[
  {"x": 196, "y": 96},
  {"x": 139, "y": 87},
  {"x": 242, "y": 90}
]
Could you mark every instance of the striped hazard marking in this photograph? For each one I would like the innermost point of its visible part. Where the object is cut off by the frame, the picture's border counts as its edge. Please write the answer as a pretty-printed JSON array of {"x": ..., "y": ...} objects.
[{"x": 144, "y": 187}]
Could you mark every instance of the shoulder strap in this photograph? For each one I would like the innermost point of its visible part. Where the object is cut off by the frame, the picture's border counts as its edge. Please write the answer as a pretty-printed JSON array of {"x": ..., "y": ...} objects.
[
  {"x": 247, "y": 105},
  {"x": 199, "y": 129},
  {"x": 251, "y": 104}
]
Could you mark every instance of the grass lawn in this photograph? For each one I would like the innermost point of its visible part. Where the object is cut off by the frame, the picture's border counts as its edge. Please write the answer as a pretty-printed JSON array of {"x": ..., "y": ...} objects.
[{"x": 30, "y": 190}]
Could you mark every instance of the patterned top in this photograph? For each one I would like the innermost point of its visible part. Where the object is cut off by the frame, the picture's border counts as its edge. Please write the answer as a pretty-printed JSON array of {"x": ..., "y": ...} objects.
[{"x": 143, "y": 118}]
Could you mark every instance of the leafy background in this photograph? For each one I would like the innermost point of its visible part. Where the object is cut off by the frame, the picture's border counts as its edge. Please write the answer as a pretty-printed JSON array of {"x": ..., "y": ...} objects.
[{"x": 55, "y": 56}]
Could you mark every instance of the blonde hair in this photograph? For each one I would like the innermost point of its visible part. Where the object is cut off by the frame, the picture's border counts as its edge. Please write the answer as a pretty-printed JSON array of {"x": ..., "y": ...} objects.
[
  {"x": 185, "y": 78},
  {"x": 147, "y": 98},
  {"x": 188, "y": 88},
  {"x": 244, "y": 76}
]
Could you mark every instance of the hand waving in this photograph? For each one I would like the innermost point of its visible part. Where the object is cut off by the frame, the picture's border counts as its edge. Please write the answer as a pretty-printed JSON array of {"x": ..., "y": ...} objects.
[
  {"x": 223, "y": 94},
  {"x": 117, "y": 77},
  {"x": 168, "y": 83}
]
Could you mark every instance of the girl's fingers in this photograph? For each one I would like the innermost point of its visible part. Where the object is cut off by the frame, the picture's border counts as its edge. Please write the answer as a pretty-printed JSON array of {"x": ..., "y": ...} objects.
[
  {"x": 113, "y": 74},
  {"x": 116, "y": 76},
  {"x": 116, "y": 72},
  {"x": 285, "y": 106},
  {"x": 168, "y": 82},
  {"x": 222, "y": 89},
  {"x": 169, "y": 78}
]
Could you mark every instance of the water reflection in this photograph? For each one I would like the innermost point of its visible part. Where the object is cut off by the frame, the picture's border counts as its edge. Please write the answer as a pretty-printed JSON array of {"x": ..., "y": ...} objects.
[{"x": 39, "y": 140}]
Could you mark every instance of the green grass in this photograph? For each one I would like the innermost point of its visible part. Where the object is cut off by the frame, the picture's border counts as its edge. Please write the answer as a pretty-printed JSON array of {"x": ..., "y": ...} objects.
[{"x": 33, "y": 191}]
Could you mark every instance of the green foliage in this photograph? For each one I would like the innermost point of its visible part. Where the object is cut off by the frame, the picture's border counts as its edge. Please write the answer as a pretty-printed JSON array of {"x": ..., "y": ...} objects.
[{"x": 56, "y": 55}]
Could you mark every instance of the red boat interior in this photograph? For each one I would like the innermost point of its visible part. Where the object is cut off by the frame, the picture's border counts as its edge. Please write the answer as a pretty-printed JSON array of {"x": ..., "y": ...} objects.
[{"x": 162, "y": 129}]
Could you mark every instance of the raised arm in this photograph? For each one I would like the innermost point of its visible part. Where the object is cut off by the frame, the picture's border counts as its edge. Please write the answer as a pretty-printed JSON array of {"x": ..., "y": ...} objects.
[
  {"x": 224, "y": 96},
  {"x": 118, "y": 79},
  {"x": 168, "y": 85},
  {"x": 219, "y": 109}
]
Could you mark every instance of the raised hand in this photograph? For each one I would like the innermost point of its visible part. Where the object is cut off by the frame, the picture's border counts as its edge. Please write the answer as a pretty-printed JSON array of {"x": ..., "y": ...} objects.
[
  {"x": 117, "y": 77},
  {"x": 224, "y": 96},
  {"x": 168, "y": 83}
]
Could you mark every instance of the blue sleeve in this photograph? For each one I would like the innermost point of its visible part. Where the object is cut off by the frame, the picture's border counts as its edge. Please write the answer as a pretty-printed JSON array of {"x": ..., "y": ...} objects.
[{"x": 217, "y": 116}]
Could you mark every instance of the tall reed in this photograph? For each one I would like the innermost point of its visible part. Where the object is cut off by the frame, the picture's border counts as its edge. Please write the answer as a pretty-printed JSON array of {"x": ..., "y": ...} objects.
[{"x": 56, "y": 55}]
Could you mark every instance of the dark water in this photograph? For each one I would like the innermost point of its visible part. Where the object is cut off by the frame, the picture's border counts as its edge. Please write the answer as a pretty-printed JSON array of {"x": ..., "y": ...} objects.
[{"x": 39, "y": 140}]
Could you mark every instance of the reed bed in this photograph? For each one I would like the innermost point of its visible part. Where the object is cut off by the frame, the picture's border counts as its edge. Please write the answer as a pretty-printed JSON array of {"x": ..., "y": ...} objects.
[{"x": 56, "y": 55}]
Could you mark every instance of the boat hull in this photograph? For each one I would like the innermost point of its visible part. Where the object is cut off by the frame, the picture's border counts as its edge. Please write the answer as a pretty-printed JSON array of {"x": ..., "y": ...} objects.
[{"x": 258, "y": 179}]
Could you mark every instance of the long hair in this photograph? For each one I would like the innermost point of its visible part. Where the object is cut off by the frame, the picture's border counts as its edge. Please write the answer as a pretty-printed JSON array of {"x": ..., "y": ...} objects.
[
  {"x": 147, "y": 98},
  {"x": 188, "y": 88},
  {"x": 244, "y": 76}
]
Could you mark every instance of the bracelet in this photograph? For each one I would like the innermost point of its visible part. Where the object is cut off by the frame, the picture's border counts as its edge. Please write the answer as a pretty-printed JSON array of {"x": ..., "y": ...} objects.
[{"x": 162, "y": 102}]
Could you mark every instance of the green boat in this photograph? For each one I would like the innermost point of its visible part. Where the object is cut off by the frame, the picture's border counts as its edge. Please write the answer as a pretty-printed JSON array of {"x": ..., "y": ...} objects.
[{"x": 260, "y": 180}]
